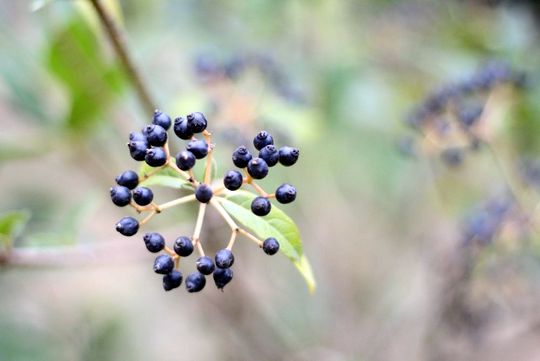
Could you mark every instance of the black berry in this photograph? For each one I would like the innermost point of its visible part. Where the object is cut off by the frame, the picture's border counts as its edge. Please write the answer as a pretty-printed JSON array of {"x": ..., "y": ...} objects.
[
  {"x": 203, "y": 193},
  {"x": 156, "y": 157},
  {"x": 261, "y": 206},
  {"x": 257, "y": 168},
  {"x": 156, "y": 135},
  {"x": 120, "y": 195},
  {"x": 143, "y": 196},
  {"x": 127, "y": 226},
  {"x": 262, "y": 139},
  {"x": 241, "y": 156},
  {"x": 233, "y": 180},
  {"x": 128, "y": 179},
  {"x": 172, "y": 280},
  {"x": 195, "y": 282},
  {"x": 185, "y": 160},
  {"x": 137, "y": 149},
  {"x": 205, "y": 265},
  {"x": 270, "y": 246},
  {"x": 224, "y": 258},
  {"x": 163, "y": 264},
  {"x": 154, "y": 242},
  {"x": 270, "y": 155},
  {"x": 196, "y": 122},
  {"x": 199, "y": 148},
  {"x": 161, "y": 119},
  {"x": 222, "y": 276},
  {"x": 183, "y": 246},
  {"x": 288, "y": 155},
  {"x": 285, "y": 193},
  {"x": 181, "y": 129}
]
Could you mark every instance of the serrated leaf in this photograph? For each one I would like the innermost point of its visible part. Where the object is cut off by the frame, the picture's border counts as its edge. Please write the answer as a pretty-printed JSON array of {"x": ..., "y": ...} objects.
[
  {"x": 11, "y": 225},
  {"x": 276, "y": 224}
]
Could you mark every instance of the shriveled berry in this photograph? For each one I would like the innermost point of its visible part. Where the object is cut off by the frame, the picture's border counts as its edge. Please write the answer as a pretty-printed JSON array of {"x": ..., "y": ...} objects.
[
  {"x": 181, "y": 129},
  {"x": 183, "y": 246},
  {"x": 270, "y": 246},
  {"x": 137, "y": 149},
  {"x": 233, "y": 180},
  {"x": 161, "y": 119},
  {"x": 185, "y": 160},
  {"x": 270, "y": 155},
  {"x": 154, "y": 242},
  {"x": 197, "y": 122},
  {"x": 224, "y": 258},
  {"x": 195, "y": 282},
  {"x": 199, "y": 148},
  {"x": 128, "y": 179},
  {"x": 288, "y": 155},
  {"x": 261, "y": 206},
  {"x": 241, "y": 156},
  {"x": 262, "y": 139},
  {"x": 163, "y": 264},
  {"x": 120, "y": 195},
  {"x": 127, "y": 226},
  {"x": 285, "y": 193},
  {"x": 172, "y": 280},
  {"x": 205, "y": 265},
  {"x": 156, "y": 135},
  {"x": 203, "y": 193},
  {"x": 155, "y": 157},
  {"x": 222, "y": 276},
  {"x": 257, "y": 168},
  {"x": 143, "y": 196}
]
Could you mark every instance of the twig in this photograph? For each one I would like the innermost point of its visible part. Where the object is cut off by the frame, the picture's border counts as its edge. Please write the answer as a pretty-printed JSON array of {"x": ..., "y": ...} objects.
[{"x": 120, "y": 48}]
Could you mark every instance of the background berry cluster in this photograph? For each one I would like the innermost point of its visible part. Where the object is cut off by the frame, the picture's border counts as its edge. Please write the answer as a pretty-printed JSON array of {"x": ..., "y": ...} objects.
[
  {"x": 151, "y": 146},
  {"x": 449, "y": 120}
]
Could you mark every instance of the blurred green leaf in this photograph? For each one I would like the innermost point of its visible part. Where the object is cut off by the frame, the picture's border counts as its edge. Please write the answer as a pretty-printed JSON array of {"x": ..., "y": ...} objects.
[
  {"x": 76, "y": 59},
  {"x": 11, "y": 225},
  {"x": 276, "y": 224}
]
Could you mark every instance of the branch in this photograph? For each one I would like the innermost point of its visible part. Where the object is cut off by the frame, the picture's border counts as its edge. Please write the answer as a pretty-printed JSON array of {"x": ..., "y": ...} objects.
[{"x": 120, "y": 48}]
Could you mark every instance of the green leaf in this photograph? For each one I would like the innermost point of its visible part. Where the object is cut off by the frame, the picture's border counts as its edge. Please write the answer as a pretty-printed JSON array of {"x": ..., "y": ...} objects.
[
  {"x": 165, "y": 177},
  {"x": 276, "y": 224},
  {"x": 166, "y": 181},
  {"x": 11, "y": 225}
]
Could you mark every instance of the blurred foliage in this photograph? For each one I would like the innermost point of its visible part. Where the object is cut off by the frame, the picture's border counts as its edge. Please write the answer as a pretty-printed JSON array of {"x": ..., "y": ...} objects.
[
  {"x": 76, "y": 58},
  {"x": 11, "y": 225}
]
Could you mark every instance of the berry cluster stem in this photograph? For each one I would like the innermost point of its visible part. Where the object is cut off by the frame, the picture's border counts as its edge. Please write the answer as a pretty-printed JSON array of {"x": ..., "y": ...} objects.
[
  {"x": 147, "y": 218},
  {"x": 198, "y": 227},
  {"x": 249, "y": 180},
  {"x": 177, "y": 202},
  {"x": 235, "y": 229},
  {"x": 208, "y": 165}
]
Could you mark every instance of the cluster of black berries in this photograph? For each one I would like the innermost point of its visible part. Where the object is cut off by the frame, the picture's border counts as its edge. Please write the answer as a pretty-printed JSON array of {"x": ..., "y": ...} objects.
[
  {"x": 211, "y": 69},
  {"x": 183, "y": 247},
  {"x": 450, "y": 116},
  {"x": 258, "y": 167},
  {"x": 151, "y": 145}
]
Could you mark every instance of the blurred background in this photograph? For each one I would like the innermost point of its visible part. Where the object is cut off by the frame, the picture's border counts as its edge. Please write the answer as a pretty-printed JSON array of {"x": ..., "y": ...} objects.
[{"x": 422, "y": 234}]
